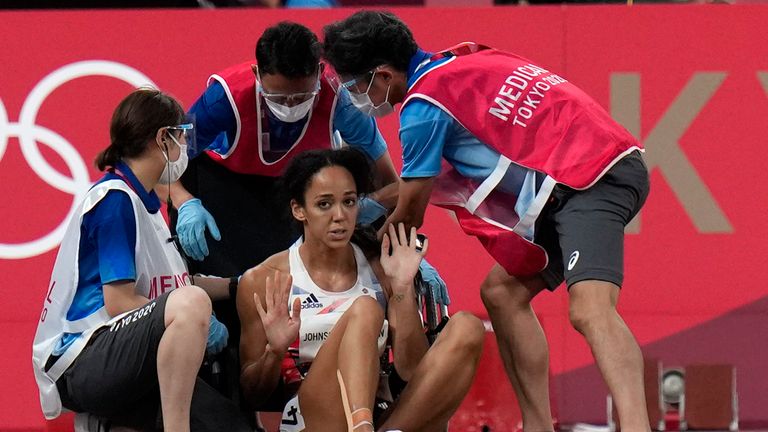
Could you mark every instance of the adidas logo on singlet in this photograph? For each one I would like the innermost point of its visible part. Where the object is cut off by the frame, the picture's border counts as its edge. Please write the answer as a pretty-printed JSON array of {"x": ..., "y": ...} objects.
[{"x": 311, "y": 302}]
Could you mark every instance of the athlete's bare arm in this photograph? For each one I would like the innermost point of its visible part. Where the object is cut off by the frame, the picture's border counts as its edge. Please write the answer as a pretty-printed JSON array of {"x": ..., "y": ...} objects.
[
  {"x": 259, "y": 366},
  {"x": 409, "y": 342}
]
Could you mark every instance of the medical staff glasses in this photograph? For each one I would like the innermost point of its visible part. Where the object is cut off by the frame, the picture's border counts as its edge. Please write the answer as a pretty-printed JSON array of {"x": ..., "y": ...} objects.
[{"x": 290, "y": 99}]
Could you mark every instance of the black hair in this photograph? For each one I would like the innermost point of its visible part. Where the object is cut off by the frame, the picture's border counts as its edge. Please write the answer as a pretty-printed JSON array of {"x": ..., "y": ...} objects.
[
  {"x": 135, "y": 122},
  {"x": 368, "y": 39},
  {"x": 288, "y": 49},
  {"x": 302, "y": 169}
]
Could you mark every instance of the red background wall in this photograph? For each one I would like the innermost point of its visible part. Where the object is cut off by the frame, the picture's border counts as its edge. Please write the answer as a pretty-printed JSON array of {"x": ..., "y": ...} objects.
[{"x": 690, "y": 81}]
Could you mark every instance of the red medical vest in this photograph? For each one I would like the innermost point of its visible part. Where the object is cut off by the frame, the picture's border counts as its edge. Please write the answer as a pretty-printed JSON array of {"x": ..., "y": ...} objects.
[
  {"x": 249, "y": 153},
  {"x": 532, "y": 117}
]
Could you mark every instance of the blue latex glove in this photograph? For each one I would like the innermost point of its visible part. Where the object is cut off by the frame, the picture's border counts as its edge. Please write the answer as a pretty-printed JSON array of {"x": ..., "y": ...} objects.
[
  {"x": 217, "y": 337},
  {"x": 435, "y": 282},
  {"x": 369, "y": 211},
  {"x": 193, "y": 219}
]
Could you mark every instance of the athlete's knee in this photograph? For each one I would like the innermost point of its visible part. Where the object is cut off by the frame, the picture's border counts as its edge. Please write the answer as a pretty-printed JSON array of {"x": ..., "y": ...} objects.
[
  {"x": 470, "y": 329},
  {"x": 190, "y": 305},
  {"x": 465, "y": 334},
  {"x": 366, "y": 309}
]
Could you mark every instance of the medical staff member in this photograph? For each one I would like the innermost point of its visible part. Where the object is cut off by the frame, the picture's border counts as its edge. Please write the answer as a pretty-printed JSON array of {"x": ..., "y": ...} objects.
[
  {"x": 539, "y": 172},
  {"x": 123, "y": 329},
  {"x": 251, "y": 121}
]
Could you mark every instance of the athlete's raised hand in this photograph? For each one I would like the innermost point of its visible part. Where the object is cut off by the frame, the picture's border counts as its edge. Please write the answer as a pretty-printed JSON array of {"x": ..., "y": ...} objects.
[
  {"x": 280, "y": 327},
  {"x": 402, "y": 263}
]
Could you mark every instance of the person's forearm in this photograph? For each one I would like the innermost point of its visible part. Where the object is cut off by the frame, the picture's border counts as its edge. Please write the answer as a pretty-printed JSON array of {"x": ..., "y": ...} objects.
[
  {"x": 410, "y": 219},
  {"x": 409, "y": 343},
  {"x": 260, "y": 378},
  {"x": 412, "y": 201},
  {"x": 216, "y": 287},
  {"x": 179, "y": 194},
  {"x": 386, "y": 196}
]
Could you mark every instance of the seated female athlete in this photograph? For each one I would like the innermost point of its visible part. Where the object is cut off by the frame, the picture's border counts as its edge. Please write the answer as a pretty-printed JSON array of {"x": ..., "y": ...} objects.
[{"x": 324, "y": 303}]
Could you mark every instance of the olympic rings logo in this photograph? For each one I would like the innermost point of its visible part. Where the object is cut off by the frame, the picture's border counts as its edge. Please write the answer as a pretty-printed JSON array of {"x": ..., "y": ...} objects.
[{"x": 29, "y": 134}]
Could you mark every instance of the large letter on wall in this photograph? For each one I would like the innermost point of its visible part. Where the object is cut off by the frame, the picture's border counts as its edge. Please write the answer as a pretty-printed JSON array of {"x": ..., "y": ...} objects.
[
  {"x": 762, "y": 76},
  {"x": 663, "y": 147}
]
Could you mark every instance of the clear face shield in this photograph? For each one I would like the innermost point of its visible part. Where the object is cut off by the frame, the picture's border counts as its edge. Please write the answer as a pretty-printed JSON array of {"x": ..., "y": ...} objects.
[
  {"x": 182, "y": 135},
  {"x": 353, "y": 86},
  {"x": 358, "y": 89},
  {"x": 185, "y": 136}
]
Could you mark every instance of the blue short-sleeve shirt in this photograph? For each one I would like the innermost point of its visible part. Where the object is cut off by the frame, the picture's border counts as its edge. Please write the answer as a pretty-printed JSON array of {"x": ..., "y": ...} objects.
[
  {"x": 216, "y": 125},
  {"x": 107, "y": 246}
]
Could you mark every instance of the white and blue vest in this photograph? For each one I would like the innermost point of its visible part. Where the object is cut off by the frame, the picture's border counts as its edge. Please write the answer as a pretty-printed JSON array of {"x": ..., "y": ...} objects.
[{"x": 159, "y": 268}]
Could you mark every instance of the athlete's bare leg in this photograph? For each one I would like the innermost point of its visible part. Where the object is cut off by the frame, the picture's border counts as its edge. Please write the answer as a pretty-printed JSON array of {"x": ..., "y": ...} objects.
[
  {"x": 522, "y": 344},
  {"x": 442, "y": 378},
  {"x": 352, "y": 349},
  {"x": 593, "y": 314}
]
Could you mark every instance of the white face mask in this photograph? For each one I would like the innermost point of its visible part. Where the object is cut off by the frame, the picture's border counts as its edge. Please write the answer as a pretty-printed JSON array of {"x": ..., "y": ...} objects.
[
  {"x": 174, "y": 169},
  {"x": 290, "y": 114},
  {"x": 364, "y": 103}
]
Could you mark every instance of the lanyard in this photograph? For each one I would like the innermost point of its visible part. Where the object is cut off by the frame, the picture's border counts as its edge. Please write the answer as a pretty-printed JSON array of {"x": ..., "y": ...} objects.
[
  {"x": 120, "y": 174},
  {"x": 173, "y": 239}
]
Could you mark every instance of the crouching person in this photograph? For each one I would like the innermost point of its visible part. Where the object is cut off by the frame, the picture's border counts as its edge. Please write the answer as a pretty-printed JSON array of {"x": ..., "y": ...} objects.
[{"x": 123, "y": 331}]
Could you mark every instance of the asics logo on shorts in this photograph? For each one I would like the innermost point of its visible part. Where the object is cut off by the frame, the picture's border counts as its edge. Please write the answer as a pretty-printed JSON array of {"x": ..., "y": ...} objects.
[
  {"x": 572, "y": 260},
  {"x": 311, "y": 302}
]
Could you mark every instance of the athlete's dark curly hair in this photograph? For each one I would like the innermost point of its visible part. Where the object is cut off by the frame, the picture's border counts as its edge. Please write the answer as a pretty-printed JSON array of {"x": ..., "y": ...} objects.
[
  {"x": 368, "y": 39},
  {"x": 289, "y": 49},
  {"x": 301, "y": 171}
]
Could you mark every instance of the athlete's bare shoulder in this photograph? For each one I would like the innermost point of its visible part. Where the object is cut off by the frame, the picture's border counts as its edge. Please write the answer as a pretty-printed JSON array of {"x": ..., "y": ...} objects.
[{"x": 277, "y": 262}]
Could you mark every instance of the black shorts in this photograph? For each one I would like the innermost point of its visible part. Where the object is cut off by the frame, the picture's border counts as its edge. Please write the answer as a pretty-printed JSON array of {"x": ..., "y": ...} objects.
[
  {"x": 115, "y": 378},
  {"x": 583, "y": 231}
]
